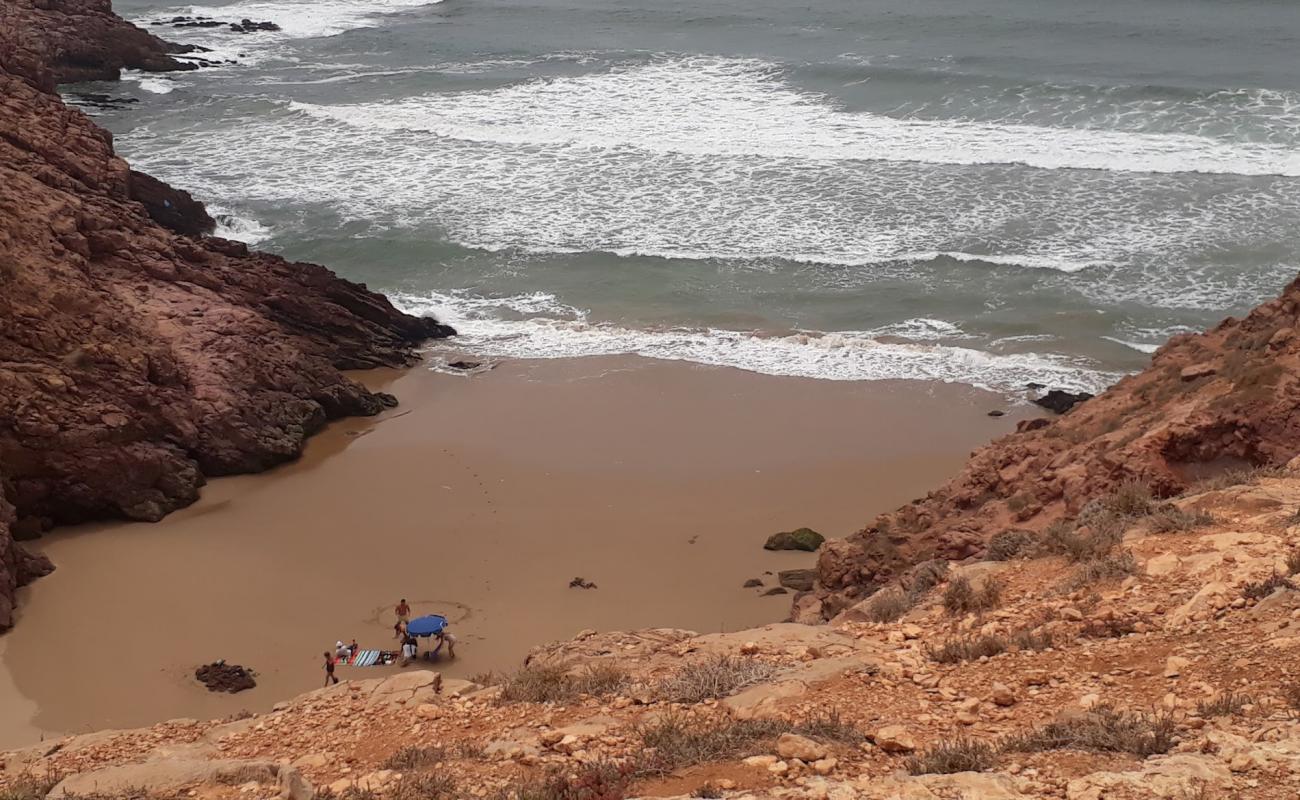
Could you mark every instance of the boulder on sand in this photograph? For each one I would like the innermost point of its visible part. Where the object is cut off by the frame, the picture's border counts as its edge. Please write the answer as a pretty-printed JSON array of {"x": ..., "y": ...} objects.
[
  {"x": 801, "y": 580},
  {"x": 1059, "y": 402},
  {"x": 797, "y": 539}
]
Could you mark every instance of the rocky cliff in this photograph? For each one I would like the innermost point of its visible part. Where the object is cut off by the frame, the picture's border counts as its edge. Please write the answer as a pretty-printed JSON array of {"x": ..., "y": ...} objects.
[
  {"x": 136, "y": 355},
  {"x": 1226, "y": 399}
]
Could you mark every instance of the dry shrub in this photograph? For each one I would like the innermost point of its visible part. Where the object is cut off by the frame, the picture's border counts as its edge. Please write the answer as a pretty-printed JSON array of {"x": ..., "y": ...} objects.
[
  {"x": 423, "y": 786},
  {"x": 1011, "y": 544},
  {"x": 409, "y": 758},
  {"x": 1224, "y": 705},
  {"x": 1293, "y": 562},
  {"x": 708, "y": 791},
  {"x": 1109, "y": 628},
  {"x": 555, "y": 683},
  {"x": 889, "y": 604},
  {"x": 1104, "y": 729},
  {"x": 674, "y": 741},
  {"x": 595, "y": 780},
  {"x": 829, "y": 727},
  {"x": 1032, "y": 639},
  {"x": 1132, "y": 498},
  {"x": 1170, "y": 518},
  {"x": 1261, "y": 589},
  {"x": 247, "y": 773},
  {"x": 1291, "y": 694},
  {"x": 962, "y": 598},
  {"x": 953, "y": 755},
  {"x": 27, "y": 786},
  {"x": 1083, "y": 543},
  {"x": 717, "y": 677},
  {"x": 927, "y": 575},
  {"x": 968, "y": 648},
  {"x": 1237, "y": 477},
  {"x": 1106, "y": 568}
]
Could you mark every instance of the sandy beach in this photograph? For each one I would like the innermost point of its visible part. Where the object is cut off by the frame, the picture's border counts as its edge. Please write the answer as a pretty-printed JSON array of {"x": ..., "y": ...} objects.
[{"x": 481, "y": 497}]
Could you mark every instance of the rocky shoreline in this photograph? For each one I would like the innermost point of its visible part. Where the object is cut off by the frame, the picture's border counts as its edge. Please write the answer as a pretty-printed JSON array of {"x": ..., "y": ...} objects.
[
  {"x": 137, "y": 354},
  {"x": 1209, "y": 403}
]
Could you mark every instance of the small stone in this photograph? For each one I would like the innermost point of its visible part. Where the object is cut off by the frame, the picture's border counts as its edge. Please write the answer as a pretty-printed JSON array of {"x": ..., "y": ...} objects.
[
  {"x": 1071, "y": 614},
  {"x": 760, "y": 761},
  {"x": 749, "y": 649},
  {"x": 1174, "y": 666},
  {"x": 894, "y": 739},
  {"x": 1089, "y": 701},
  {"x": 825, "y": 766},
  {"x": 1002, "y": 695},
  {"x": 792, "y": 745}
]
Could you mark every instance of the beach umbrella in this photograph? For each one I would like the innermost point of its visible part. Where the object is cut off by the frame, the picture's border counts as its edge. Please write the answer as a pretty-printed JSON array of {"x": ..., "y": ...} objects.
[{"x": 428, "y": 625}]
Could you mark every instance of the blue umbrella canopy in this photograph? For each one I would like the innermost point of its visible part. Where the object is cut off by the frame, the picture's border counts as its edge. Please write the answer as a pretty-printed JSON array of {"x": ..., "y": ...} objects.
[{"x": 427, "y": 625}]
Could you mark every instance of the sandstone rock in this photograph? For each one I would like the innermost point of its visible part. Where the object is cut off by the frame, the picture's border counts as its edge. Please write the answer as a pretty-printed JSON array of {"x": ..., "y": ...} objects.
[
  {"x": 801, "y": 580},
  {"x": 1195, "y": 371},
  {"x": 1002, "y": 695},
  {"x": 791, "y": 745},
  {"x": 894, "y": 739}
]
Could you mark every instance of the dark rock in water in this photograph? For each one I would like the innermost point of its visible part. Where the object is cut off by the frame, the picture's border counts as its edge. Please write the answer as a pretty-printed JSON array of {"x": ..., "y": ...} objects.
[
  {"x": 753, "y": 582},
  {"x": 97, "y": 100},
  {"x": 798, "y": 539},
  {"x": 581, "y": 583},
  {"x": 222, "y": 677},
  {"x": 774, "y": 590},
  {"x": 1059, "y": 401},
  {"x": 249, "y": 26},
  {"x": 1033, "y": 386},
  {"x": 465, "y": 364},
  {"x": 801, "y": 580},
  {"x": 997, "y": 412}
]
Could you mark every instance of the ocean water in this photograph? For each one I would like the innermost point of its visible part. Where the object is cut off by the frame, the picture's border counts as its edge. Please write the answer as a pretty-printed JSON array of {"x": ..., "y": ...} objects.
[{"x": 991, "y": 192}]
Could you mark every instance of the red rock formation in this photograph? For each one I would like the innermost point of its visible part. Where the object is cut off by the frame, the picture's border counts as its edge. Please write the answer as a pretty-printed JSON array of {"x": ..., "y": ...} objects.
[
  {"x": 1226, "y": 398},
  {"x": 135, "y": 360},
  {"x": 63, "y": 41}
]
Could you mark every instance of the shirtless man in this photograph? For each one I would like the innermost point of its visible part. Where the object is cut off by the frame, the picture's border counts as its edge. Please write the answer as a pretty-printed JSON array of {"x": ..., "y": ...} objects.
[{"x": 403, "y": 612}]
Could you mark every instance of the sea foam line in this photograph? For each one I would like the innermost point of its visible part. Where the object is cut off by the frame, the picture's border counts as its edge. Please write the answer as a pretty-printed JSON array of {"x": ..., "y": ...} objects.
[{"x": 484, "y": 330}]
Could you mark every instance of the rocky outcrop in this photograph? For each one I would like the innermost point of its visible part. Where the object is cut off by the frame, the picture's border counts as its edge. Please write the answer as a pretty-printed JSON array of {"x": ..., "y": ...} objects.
[
  {"x": 64, "y": 41},
  {"x": 136, "y": 356},
  {"x": 1225, "y": 399}
]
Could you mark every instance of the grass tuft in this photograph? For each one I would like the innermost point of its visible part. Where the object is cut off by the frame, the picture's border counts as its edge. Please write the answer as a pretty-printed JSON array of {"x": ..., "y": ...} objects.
[
  {"x": 1169, "y": 518},
  {"x": 409, "y": 758},
  {"x": 1225, "y": 705},
  {"x": 674, "y": 741},
  {"x": 888, "y": 605},
  {"x": 1258, "y": 590},
  {"x": 555, "y": 683},
  {"x": 960, "y": 597},
  {"x": 1103, "y": 729},
  {"x": 968, "y": 648},
  {"x": 720, "y": 676},
  {"x": 953, "y": 755},
  {"x": 1007, "y": 545},
  {"x": 1113, "y": 566}
]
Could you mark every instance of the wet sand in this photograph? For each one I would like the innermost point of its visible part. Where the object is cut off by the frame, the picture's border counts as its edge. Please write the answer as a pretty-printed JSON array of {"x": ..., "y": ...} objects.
[{"x": 481, "y": 497}]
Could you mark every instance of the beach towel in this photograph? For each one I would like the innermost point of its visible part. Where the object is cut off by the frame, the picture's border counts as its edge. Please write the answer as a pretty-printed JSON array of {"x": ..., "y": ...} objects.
[{"x": 370, "y": 658}]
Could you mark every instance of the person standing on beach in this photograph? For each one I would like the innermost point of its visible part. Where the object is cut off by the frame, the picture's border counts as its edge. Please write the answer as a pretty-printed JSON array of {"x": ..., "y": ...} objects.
[
  {"x": 403, "y": 612},
  {"x": 329, "y": 669}
]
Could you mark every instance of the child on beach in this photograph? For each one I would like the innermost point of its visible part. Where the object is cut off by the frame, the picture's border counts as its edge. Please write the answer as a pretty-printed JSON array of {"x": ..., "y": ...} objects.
[{"x": 329, "y": 669}]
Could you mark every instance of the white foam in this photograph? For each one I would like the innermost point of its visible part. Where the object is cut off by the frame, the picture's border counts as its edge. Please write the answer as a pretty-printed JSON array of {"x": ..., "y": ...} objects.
[
  {"x": 1147, "y": 237},
  {"x": 152, "y": 83},
  {"x": 298, "y": 19},
  {"x": 233, "y": 226},
  {"x": 712, "y": 106},
  {"x": 1141, "y": 347},
  {"x": 509, "y": 327}
]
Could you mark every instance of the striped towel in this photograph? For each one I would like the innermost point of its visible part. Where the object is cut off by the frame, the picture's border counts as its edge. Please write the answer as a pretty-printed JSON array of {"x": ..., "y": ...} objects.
[{"x": 370, "y": 658}]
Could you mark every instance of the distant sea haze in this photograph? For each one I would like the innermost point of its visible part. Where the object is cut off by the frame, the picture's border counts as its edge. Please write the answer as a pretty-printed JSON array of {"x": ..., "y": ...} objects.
[{"x": 993, "y": 192}]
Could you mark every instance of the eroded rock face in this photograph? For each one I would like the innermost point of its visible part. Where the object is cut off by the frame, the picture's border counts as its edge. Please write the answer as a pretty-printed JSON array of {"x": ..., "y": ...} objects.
[
  {"x": 1226, "y": 398},
  {"x": 135, "y": 361},
  {"x": 64, "y": 41}
]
